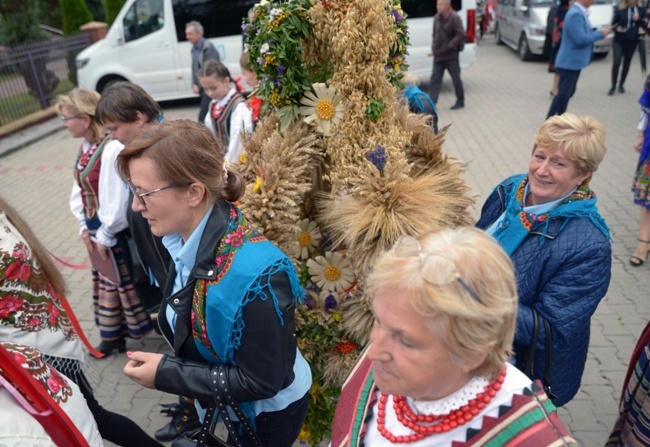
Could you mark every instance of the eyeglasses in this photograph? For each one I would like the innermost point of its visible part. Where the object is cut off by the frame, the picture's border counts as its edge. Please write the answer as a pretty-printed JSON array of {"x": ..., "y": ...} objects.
[
  {"x": 65, "y": 119},
  {"x": 434, "y": 268},
  {"x": 142, "y": 195}
]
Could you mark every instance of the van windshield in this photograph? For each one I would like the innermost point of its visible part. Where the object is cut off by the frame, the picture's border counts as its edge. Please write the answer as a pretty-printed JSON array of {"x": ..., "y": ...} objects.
[{"x": 534, "y": 3}]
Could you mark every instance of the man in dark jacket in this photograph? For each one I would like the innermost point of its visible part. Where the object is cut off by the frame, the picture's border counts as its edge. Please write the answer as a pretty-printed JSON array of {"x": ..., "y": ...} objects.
[
  {"x": 448, "y": 36},
  {"x": 202, "y": 51}
]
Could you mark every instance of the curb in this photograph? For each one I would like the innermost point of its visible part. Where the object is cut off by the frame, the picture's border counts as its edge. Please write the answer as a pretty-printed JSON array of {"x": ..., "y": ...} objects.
[{"x": 27, "y": 130}]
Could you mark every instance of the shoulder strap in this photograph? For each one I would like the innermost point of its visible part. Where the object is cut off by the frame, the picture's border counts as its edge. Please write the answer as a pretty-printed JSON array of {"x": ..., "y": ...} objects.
[
  {"x": 529, "y": 367},
  {"x": 40, "y": 405}
]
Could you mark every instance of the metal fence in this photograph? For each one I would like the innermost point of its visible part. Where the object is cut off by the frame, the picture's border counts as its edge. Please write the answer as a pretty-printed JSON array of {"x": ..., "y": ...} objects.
[{"x": 32, "y": 75}]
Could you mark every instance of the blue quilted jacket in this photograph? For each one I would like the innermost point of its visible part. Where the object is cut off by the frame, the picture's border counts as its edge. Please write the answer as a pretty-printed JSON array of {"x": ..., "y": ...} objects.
[{"x": 563, "y": 279}]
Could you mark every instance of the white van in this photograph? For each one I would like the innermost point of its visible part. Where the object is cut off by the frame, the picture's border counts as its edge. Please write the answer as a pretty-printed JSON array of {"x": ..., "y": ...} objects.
[
  {"x": 521, "y": 24},
  {"x": 420, "y": 20},
  {"x": 146, "y": 44}
]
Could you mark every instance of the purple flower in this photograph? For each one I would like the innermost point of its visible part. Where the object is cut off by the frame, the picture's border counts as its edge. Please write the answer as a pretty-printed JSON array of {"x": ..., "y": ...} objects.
[
  {"x": 260, "y": 60},
  {"x": 309, "y": 301},
  {"x": 278, "y": 83},
  {"x": 281, "y": 69},
  {"x": 330, "y": 302},
  {"x": 378, "y": 157},
  {"x": 398, "y": 17},
  {"x": 271, "y": 41}
]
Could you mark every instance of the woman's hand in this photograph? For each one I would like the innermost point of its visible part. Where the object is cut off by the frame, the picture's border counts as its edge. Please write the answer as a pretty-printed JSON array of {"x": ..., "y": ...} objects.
[
  {"x": 102, "y": 250},
  {"x": 85, "y": 238},
  {"x": 638, "y": 143},
  {"x": 141, "y": 368}
]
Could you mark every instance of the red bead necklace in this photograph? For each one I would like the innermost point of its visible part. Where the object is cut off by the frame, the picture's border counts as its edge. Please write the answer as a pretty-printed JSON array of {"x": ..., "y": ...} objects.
[{"x": 424, "y": 425}]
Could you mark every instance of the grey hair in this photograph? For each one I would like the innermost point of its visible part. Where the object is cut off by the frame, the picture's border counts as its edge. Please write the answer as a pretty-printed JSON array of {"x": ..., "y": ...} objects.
[{"x": 197, "y": 26}]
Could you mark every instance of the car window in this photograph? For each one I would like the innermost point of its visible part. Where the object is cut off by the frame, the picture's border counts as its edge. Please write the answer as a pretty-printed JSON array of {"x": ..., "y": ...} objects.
[
  {"x": 219, "y": 18},
  {"x": 143, "y": 18}
]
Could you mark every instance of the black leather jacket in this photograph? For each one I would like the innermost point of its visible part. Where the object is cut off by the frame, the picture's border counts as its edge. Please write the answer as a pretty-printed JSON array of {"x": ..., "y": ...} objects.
[{"x": 265, "y": 358}]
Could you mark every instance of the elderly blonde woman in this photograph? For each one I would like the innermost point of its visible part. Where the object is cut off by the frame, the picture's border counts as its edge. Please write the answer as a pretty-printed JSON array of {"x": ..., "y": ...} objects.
[
  {"x": 548, "y": 222},
  {"x": 98, "y": 201},
  {"x": 436, "y": 372}
]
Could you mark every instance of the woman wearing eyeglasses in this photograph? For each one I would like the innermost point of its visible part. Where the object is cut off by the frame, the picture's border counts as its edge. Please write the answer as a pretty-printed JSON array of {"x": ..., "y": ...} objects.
[
  {"x": 99, "y": 200},
  {"x": 436, "y": 371},
  {"x": 548, "y": 222},
  {"x": 229, "y": 303}
]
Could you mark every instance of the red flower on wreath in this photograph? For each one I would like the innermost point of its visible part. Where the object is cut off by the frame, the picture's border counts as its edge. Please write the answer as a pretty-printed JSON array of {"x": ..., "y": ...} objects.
[{"x": 9, "y": 304}]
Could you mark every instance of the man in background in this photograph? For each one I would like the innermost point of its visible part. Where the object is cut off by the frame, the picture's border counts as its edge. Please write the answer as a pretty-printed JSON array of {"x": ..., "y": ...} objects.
[
  {"x": 575, "y": 53},
  {"x": 448, "y": 40},
  {"x": 202, "y": 51}
]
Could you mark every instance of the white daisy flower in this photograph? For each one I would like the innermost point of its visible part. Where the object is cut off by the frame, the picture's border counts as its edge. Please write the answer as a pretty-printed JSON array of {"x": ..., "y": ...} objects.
[
  {"x": 331, "y": 272},
  {"x": 322, "y": 106},
  {"x": 264, "y": 48},
  {"x": 309, "y": 238}
]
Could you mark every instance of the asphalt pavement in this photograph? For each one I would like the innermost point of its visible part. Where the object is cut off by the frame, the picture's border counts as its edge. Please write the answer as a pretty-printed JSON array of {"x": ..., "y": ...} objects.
[{"x": 506, "y": 100}]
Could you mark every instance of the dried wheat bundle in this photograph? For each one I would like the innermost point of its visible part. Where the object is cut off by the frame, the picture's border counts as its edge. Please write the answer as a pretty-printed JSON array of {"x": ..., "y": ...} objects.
[{"x": 283, "y": 166}]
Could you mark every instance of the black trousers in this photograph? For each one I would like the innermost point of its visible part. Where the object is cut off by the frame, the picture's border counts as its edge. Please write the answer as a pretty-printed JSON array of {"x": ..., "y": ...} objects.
[
  {"x": 566, "y": 89},
  {"x": 439, "y": 67},
  {"x": 205, "y": 105},
  {"x": 113, "y": 427},
  {"x": 623, "y": 49},
  {"x": 279, "y": 428}
]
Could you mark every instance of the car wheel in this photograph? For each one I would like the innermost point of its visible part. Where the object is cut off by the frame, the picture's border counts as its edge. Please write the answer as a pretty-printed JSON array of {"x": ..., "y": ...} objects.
[
  {"x": 105, "y": 83},
  {"x": 497, "y": 35},
  {"x": 524, "y": 49}
]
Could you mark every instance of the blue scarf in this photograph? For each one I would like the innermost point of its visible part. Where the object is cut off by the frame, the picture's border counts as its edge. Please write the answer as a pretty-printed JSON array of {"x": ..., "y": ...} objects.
[
  {"x": 245, "y": 262},
  {"x": 517, "y": 223}
]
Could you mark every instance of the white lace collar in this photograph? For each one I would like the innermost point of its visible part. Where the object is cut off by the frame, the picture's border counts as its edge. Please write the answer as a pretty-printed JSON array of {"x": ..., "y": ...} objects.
[{"x": 452, "y": 402}]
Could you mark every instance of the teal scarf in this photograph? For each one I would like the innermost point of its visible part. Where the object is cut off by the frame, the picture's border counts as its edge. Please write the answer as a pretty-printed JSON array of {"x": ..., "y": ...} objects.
[{"x": 517, "y": 223}]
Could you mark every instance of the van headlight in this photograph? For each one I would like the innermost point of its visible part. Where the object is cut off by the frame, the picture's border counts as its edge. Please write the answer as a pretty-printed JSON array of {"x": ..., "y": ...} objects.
[
  {"x": 81, "y": 63},
  {"x": 539, "y": 31}
]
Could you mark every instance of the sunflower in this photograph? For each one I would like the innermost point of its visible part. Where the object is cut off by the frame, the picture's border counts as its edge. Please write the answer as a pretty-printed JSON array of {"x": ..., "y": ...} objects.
[
  {"x": 309, "y": 238},
  {"x": 331, "y": 272},
  {"x": 322, "y": 106}
]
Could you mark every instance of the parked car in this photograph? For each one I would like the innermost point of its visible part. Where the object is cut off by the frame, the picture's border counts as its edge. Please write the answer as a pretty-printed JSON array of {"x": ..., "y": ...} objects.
[{"x": 522, "y": 25}]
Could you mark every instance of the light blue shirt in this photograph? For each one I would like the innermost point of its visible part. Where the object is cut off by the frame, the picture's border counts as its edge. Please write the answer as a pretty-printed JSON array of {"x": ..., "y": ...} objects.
[
  {"x": 533, "y": 209},
  {"x": 184, "y": 256}
]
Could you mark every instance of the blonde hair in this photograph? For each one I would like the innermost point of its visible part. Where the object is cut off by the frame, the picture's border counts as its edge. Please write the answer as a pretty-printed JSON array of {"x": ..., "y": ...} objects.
[
  {"x": 582, "y": 139},
  {"x": 81, "y": 101},
  {"x": 185, "y": 152},
  {"x": 469, "y": 329}
]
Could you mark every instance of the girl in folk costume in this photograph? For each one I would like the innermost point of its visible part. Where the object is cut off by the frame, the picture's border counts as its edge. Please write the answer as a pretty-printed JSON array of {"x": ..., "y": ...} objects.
[
  {"x": 99, "y": 200},
  {"x": 228, "y": 115},
  {"x": 254, "y": 102},
  {"x": 35, "y": 313}
]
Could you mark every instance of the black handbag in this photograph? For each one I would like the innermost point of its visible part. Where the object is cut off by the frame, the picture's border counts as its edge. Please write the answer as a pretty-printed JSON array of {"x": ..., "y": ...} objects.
[
  {"x": 205, "y": 437},
  {"x": 529, "y": 366}
]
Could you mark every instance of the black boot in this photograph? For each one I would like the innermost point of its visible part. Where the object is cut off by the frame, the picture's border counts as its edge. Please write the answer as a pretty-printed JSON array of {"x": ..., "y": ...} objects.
[
  {"x": 184, "y": 419},
  {"x": 106, "y": 347}
]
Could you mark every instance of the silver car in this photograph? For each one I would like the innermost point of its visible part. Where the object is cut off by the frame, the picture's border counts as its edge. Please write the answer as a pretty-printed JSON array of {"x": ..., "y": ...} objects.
[{"x": 521, "y": 24}]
